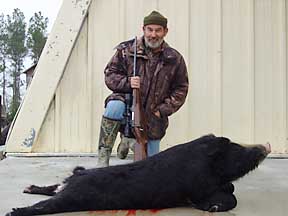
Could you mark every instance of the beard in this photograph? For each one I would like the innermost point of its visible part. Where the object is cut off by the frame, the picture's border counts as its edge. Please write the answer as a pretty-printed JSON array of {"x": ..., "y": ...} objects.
[{"x": 153, "y": 44}]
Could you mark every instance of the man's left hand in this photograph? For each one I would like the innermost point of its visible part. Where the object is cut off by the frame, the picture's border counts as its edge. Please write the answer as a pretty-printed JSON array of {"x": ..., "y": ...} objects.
[{"x": 158, "y": 114}]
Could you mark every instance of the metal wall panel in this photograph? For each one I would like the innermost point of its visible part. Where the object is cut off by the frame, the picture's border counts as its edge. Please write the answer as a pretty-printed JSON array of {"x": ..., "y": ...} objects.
[
  {"x": 73, "y": 107},
  {"x": 235, "y": 51},
  {"x": 237, "y": 69},
  {"x": 270, "y": 73},
  {"x": 204, "y": 63},
  {"x": 46, "y": 139}
]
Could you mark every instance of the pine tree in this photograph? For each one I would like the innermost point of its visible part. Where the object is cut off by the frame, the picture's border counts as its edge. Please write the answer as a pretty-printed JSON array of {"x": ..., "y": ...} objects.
[
  {"x": 3, "y": 59},
  {"x": 16, "y": 50},
  {"x": 37, "y": 35}
]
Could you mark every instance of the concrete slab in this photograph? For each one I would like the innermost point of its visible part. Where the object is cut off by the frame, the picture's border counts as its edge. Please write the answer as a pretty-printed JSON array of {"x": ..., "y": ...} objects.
[{"x": 263, "y": 192}]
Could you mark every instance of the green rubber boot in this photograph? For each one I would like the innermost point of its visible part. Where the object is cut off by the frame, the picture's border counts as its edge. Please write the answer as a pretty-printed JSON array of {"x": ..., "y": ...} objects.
[
  {"x": 108, "y": 133},
  {"x": 124, "y": 146}
]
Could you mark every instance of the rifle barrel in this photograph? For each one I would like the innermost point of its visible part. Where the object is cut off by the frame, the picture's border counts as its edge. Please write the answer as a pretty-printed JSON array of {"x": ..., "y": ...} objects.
[
  {"x": 135, "y": 54},
  {"x": 134, "y": 74}
]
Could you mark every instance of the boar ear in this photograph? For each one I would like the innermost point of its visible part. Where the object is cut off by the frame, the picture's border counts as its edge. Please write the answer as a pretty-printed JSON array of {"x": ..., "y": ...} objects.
[
  {"x": 220, "y": 146},
  {"x": 223, "y": 140}
]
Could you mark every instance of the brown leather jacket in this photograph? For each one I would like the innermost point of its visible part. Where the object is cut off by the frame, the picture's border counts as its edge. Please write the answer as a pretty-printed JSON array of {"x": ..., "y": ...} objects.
[{"x": 163, "y": 80}]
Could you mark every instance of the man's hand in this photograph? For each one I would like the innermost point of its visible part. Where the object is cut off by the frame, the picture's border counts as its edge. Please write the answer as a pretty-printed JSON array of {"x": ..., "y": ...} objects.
[
  {"x": 135, "y": 82},
  {"x": 158, "y": 114}
]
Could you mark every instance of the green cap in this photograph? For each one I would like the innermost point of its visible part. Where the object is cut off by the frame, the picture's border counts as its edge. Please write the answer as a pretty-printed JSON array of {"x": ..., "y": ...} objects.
[{"x": 155, "y": 18}]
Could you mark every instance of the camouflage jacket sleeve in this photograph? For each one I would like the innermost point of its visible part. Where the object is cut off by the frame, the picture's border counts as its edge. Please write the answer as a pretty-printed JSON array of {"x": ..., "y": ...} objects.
[
  {"x": 178, "y": 93},
  {"x": 116, "y": 77}
]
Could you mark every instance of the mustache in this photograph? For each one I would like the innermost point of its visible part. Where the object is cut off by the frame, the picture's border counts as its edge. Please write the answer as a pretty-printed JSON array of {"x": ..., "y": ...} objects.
[
  {"x": 153, "y": 42},
  {"x": 154, "y": 39}
]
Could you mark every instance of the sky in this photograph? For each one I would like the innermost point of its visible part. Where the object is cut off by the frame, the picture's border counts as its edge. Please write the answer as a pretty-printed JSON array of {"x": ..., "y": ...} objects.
[{"x": 48, "y": 8}]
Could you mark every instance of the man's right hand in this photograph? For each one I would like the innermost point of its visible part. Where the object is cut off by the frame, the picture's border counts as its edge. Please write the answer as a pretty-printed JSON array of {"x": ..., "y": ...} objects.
[{"x": 135, "y": 82}]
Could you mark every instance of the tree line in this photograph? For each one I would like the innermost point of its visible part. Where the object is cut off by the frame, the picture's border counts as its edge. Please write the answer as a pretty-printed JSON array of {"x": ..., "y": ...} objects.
[{"x": 19, "y": 41}]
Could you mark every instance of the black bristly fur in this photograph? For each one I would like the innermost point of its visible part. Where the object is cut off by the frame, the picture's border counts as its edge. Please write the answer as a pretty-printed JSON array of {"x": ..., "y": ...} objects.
[{"x": 198, "y": 174}]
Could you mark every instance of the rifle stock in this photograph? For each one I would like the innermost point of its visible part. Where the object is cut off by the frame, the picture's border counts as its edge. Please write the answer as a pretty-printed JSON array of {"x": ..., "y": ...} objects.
[{"x": 139, "y": 128}]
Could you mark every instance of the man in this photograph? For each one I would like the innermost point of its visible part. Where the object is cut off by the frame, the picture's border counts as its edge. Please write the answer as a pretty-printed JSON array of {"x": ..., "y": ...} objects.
[{"x": 163, "y": 84}]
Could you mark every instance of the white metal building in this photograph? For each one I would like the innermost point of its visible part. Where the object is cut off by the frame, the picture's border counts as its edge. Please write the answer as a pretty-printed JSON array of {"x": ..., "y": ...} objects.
[{"x": 235, "y": 50}]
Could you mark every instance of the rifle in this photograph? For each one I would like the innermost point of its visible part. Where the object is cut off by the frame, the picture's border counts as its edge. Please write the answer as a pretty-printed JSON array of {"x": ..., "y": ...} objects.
[{"x": 138, "y": 118}]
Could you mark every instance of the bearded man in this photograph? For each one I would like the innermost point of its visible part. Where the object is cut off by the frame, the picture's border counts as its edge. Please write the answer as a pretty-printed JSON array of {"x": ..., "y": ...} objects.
[{"x": 163, "y": 84}]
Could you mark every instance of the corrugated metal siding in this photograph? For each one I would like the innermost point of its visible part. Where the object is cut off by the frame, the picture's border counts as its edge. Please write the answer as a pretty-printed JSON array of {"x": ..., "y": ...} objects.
[
  {"x": 271, "y": 73},
  {"x": 235, "y": 51}
]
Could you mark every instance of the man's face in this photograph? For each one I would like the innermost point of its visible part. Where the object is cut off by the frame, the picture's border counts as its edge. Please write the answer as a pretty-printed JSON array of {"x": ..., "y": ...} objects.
[{"x": 154, "y": 35}]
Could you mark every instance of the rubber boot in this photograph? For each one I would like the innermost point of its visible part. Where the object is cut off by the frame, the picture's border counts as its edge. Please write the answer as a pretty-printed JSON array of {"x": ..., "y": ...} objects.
[
  {"x": 124, "y": 145},
  {"x": 108, "y": 133}
]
